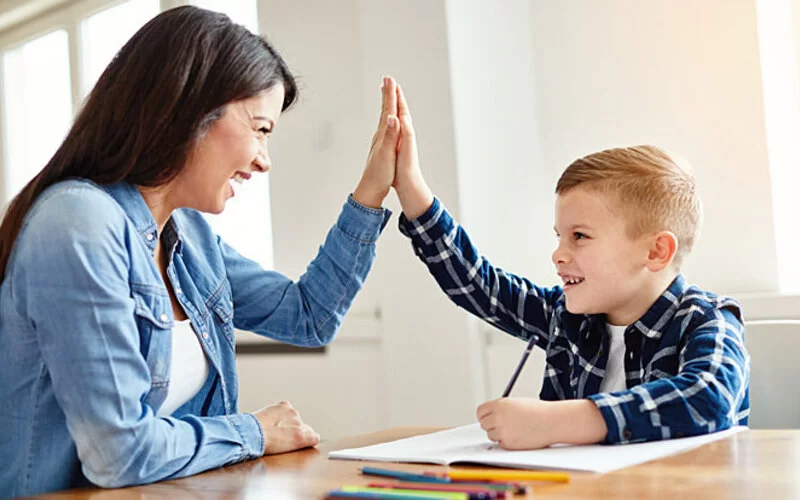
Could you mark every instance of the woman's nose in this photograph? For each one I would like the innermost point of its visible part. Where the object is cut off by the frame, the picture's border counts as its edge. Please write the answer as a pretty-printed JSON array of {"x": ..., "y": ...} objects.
[{"x": 262, "y": 162}]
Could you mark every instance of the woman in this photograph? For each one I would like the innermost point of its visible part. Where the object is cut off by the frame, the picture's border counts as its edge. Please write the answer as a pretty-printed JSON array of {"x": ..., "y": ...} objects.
[{"x": 118, "y": 303}]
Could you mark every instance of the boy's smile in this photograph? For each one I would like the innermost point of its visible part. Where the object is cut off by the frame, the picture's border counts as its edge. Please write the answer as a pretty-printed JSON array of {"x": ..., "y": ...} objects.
[{"x": 602, "y": 268}]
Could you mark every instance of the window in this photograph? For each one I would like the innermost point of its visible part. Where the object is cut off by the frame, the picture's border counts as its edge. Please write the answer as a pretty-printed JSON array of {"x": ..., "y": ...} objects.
[
  {"x": 42, "y": 71},
  {"x": 778, "y": 44},
  {"x": 37, "y": 100},
  {"x": 49, "y": 65},
  {"x": 104, "y": 33}
]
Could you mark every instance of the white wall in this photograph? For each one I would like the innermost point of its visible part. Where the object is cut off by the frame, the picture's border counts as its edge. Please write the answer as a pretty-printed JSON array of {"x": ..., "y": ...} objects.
[
  {"x": 680, "y": 74},
  {"x": 504, "y": 96},
  {"x": 341, "y": 50}
]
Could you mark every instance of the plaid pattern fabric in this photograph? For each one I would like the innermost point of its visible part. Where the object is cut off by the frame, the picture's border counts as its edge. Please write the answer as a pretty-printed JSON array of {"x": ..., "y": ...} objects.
[{"x": 687, "y": 370}]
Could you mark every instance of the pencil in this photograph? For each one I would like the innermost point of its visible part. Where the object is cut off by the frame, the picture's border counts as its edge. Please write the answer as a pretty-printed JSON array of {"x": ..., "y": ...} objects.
[
  {"x": 521, "y": 363},
  {"x": 475, "y": 492},
  {"x": 394, "y": 493},
  {"x": 507, "y": 475}
]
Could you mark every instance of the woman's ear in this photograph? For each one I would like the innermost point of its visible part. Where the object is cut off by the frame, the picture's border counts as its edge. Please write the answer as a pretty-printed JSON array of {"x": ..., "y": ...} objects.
[{"x": 663, "y": 246}]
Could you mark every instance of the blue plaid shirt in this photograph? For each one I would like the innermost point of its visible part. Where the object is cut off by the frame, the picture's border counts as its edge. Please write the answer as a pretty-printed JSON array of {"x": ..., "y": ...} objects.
[{"x": 686, "y": 367}]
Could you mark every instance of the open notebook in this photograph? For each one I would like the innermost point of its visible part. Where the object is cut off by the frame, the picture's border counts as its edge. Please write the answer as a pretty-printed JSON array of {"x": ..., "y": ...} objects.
[{"x": 469, "y": 444}]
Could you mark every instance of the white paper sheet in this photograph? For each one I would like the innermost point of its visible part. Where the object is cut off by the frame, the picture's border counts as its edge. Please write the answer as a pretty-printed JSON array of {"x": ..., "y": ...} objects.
[{"x": 469, "y": 444}]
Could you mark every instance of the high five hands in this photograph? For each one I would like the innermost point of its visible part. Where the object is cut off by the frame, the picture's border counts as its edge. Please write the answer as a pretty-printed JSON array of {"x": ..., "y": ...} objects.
[{"x": 392, "y": 159}]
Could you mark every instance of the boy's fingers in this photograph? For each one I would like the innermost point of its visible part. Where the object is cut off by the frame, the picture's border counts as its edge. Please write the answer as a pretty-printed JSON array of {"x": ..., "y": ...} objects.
[
  {"x": 484, "y": 410},
  {"x": 406, "y": 125},
  {"x": 389, "y": 100},
  {"x": 402, "y": 104}
]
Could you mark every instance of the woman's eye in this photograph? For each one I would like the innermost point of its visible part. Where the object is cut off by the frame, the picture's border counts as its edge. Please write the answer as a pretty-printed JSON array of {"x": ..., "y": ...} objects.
[{"x": 579, "y": 236}]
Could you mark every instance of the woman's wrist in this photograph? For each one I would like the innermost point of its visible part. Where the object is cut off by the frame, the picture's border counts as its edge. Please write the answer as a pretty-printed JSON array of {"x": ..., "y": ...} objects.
[{"x": 368, "y": 195}]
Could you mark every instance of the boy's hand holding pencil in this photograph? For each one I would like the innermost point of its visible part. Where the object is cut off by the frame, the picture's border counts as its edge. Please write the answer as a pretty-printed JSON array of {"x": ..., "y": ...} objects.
[{"x": 527, "y": 423}]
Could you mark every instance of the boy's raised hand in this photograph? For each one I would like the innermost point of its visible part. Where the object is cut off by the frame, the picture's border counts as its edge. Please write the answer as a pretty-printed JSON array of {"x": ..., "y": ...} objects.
[
  {"x": 412, "y": 190},
  {"x": 379, "y": 174},
  {"x": 530, "y": 424}
]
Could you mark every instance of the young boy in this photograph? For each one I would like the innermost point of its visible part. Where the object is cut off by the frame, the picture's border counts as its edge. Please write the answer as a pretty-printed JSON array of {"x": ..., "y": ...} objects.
[{"x": 634, "y": 353}]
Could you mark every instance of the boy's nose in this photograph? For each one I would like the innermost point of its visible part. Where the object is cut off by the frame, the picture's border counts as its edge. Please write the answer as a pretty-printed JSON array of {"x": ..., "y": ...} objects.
[{"x": 560, "y": 256}]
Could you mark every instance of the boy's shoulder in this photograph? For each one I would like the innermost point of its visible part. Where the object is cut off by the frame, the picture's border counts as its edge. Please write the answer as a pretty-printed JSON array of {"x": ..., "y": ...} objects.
[
  {"x": 684, "y": 307},
  {"x": 708, "y": 304}
]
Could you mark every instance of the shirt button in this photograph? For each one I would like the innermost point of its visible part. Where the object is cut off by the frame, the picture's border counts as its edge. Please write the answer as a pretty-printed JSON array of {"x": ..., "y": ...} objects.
[
  {"x": 205, "y": 335},
  {"x": 630, "y": 355},
  {"x": 177, "y": 291},
  {"x": 627, "y": 434},
  {"x": 149, "y": 237},
  {"x": 164, "y": 317}
]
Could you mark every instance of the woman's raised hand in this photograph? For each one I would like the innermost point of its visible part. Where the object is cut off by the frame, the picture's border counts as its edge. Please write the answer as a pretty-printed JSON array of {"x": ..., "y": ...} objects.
[{"x": 379, "y": 174}]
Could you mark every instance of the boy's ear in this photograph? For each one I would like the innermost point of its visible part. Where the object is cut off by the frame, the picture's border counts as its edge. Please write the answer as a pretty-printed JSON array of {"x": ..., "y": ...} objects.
[{"x": 663, "y": 247}]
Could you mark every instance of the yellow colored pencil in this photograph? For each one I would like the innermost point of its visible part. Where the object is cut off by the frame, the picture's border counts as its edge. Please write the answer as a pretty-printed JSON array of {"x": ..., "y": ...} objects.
[{"x": 507, "y": 475}]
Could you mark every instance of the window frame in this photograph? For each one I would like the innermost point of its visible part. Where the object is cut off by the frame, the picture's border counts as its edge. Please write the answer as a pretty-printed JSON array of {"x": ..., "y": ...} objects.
[{"x": 68, "y": 16}]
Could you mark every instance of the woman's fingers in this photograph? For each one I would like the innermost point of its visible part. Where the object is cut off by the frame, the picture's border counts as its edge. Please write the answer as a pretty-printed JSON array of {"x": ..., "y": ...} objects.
[
  {"x": 390, "y": 136},
  {"x": 284, "y": 429},
  {"x": 388, "y": 108}
]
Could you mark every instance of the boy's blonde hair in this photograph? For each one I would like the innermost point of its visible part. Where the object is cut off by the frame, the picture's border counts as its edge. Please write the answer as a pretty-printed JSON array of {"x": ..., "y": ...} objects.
[{"x": 654, "y": 191}]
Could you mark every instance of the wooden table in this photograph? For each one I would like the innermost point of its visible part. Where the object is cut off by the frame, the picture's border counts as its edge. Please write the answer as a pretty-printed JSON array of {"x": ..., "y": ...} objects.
[{"x": 757, "y": 464}]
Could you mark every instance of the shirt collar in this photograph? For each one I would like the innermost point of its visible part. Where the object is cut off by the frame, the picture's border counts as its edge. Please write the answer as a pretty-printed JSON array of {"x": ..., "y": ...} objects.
[
  {"x": 651, "y": 324},
  {"x": 132, "y": 202}
]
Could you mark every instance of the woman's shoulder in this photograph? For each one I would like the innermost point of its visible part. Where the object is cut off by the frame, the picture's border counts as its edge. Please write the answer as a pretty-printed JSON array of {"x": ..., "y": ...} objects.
[
  {"x": 74, "y": 201},
  {"x": 72, "y": 210}
]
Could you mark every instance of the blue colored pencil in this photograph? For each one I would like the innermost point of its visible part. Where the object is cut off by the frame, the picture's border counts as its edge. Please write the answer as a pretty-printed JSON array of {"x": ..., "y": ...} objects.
[{"x": 404, "y": 476}]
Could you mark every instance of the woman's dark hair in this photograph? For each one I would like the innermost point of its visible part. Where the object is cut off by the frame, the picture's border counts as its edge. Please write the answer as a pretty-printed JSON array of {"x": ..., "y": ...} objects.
[{"x": 161, "y": 91}]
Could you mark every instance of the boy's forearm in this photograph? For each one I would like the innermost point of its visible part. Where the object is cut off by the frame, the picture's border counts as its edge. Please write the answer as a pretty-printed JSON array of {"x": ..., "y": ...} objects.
[
  {"x": 415, "y": 198},
  {"x": 578, "y": 421}
]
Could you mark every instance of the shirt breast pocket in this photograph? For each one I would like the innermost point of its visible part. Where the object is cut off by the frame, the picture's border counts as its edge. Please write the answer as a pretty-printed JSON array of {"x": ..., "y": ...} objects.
[
  {"x": 154, "y": 321},
  {"x": 221, "y": 306}
]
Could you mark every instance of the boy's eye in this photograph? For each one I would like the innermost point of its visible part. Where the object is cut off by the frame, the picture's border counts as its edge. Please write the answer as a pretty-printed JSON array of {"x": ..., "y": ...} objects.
[{"x": 264, "y": 130}]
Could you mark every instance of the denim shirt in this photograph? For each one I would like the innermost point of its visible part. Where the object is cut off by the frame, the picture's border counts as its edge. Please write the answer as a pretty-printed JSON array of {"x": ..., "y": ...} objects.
[{"x": 85, "y": 336}]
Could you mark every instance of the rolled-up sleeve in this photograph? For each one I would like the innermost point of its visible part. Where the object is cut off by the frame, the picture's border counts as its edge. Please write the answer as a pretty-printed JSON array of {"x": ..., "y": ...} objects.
[{"x": 307, "y": 312}]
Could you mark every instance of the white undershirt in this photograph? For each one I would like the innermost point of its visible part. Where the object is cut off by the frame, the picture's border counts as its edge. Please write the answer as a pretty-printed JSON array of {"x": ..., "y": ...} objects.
[
  {"x": 189, "y": 368},
  {"x": 614, "y": 379}
]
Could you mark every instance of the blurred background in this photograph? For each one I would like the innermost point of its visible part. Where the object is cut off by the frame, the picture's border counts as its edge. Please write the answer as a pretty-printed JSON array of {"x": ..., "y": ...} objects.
[{"x": 504, "y": 95}]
